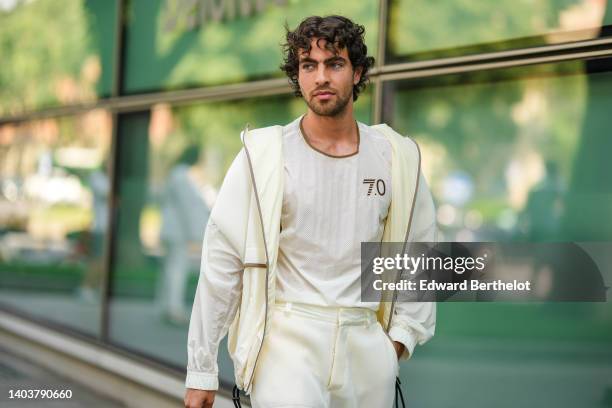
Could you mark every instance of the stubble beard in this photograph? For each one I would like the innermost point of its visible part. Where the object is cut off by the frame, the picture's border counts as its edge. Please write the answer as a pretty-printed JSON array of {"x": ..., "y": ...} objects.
[{"x": 330, "y": 108}]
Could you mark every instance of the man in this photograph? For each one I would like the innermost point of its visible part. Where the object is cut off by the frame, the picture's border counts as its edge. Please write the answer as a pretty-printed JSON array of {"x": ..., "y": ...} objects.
[{"x": 281, "y": 255}]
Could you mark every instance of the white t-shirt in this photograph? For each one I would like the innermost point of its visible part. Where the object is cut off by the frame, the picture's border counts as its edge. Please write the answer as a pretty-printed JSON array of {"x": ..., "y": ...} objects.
[{"x": 330, "y": 205}]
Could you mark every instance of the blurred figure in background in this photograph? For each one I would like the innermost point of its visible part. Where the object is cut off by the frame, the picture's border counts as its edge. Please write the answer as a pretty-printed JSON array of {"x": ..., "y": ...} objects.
[
  {"x": 184, "y": 215},
  {"x": 89, "y": 290},
  {"x": 541, "y": 217}
]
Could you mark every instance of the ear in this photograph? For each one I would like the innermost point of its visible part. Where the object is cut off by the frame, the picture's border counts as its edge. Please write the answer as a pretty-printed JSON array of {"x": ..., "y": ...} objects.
[{"x": 357, "y": 75}]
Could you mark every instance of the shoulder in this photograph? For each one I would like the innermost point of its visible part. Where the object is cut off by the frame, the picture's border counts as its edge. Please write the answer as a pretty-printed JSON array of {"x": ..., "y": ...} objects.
[
  {"x": 397, "y": 140},
  {"x": 268, "y": 134},
  {"x": 371, "y": 139},
  {"x": 276, "y": 134},
  {"x": 262, "y": 142},
  {"x": 372, "y": 132}
]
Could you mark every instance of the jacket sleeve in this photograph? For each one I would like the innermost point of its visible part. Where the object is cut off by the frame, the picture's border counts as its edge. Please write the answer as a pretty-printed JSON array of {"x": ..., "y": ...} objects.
[
  {"x": 214, "y": 306},
  {"x": 415, "y": 322},
  {"x": 220, "y": 282}
]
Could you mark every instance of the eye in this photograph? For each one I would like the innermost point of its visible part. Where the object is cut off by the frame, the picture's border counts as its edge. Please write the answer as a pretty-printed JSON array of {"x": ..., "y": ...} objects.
[
  {"x": 307, "y": 66},
  {"x": 337, "y": 65}
]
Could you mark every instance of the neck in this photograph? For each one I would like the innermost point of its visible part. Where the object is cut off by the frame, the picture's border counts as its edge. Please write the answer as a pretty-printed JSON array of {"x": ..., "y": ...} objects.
[{"x": 339, "y": 128}]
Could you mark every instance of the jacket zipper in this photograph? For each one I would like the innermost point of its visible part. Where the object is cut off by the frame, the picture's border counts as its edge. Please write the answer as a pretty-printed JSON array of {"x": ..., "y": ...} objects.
[
  {"x": 388, "y": 328},
  {"x": 263, "y": 234}
]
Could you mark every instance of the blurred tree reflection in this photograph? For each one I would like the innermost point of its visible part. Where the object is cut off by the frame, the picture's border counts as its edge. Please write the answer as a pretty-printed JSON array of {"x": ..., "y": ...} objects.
[
  {"x": 420, "y": 30},
  {"x": 55, "y": 52}
]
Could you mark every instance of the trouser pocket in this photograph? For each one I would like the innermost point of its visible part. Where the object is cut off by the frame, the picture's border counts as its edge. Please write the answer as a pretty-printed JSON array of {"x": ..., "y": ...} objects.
[{"x": 388, "y": 344}]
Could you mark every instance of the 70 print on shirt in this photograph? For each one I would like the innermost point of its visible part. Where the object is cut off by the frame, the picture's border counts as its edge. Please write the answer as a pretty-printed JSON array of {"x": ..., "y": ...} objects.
[{"x": 380, "y": 186}]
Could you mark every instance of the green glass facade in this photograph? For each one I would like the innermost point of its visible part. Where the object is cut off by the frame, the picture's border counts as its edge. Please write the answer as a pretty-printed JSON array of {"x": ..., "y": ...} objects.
[
  {"x": 107, "y": 108},
  {"x": 418, "y": 30},
  {"x": 172, "y": 46}
]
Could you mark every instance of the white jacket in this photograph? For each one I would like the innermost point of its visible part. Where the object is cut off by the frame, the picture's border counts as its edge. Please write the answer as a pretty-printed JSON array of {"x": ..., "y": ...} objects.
[{"x": 238, "y": 271}]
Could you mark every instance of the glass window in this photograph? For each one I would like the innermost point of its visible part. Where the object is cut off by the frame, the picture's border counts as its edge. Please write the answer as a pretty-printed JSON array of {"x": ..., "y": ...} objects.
[
  {"x": 172, "y": 160},
  {"x": 515, "y": 155},
  {"x": 420, "y": 30},
  {"x": 55, "y": 52},
  {"x": 180, "y": 43},
  {"x": 53, "y": 217}
]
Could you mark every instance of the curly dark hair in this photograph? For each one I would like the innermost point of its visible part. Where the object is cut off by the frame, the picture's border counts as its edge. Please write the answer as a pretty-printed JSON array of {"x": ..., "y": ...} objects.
[{"x": 338, "y": 32}]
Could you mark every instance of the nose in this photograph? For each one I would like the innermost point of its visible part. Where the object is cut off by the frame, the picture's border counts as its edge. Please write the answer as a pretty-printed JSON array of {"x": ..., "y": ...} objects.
[{"x": 321, "y": 77}]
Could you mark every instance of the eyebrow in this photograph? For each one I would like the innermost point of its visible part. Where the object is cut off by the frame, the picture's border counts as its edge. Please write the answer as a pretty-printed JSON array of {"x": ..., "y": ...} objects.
[{"x": 327, "y": 61}]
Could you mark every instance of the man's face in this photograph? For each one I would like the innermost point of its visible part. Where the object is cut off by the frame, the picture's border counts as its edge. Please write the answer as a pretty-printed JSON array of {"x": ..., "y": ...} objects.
[{"x": 326, "y": 79}]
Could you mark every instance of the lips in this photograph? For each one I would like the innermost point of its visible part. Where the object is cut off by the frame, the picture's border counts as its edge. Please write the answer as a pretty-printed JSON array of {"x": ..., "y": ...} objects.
[{"x": 323, "y": 95}]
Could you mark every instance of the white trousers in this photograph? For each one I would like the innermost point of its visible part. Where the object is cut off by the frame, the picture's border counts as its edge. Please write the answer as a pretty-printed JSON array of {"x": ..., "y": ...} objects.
[{"x": 324, "y": 357}]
